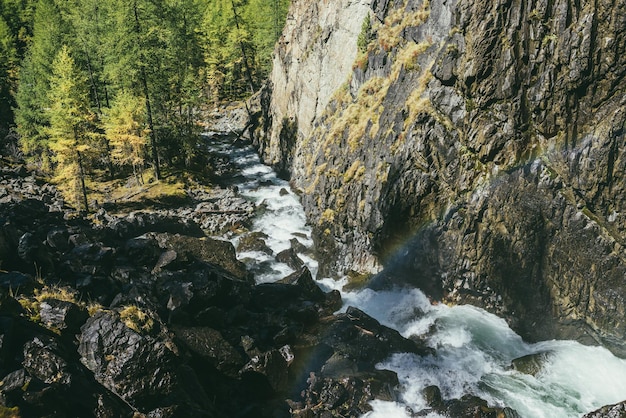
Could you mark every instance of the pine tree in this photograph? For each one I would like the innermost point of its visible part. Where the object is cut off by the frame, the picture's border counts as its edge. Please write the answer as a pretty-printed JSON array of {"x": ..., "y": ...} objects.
[
  {"x": 32, "y": 98},
  {"x": 125, "y": 126},
  {"x": 70, "y": 121},
  {"x": 8, "y": 64}
]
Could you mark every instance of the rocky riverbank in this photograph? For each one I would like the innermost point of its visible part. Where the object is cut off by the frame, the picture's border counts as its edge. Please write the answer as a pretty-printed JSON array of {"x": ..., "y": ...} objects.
[{"x": 143, "y": 314}]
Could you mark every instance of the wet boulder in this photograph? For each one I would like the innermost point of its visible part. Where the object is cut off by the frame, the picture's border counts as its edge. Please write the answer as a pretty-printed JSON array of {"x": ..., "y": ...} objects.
[
  {"x": 290, "y": 258},
  {"x": 299, "y": 247},
  {"x": 268, "y": 370},
  {"x": 254, "y": 241},
  {"x": 304, "y": 281},
  {"x": 610, "y": 411},
  {"x": 472, "y": 406},
  {"x": 346, "y": 396},
  {"x": 532, "y": 363},
  {"x": 364, "y": 340}
]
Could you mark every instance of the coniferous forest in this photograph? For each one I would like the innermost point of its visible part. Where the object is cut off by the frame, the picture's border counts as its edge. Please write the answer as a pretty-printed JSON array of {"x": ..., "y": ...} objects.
[{"x": 92, "y": 90}]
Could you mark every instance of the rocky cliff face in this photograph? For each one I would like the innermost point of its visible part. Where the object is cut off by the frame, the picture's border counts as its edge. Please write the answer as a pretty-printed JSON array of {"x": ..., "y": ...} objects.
[{"x": 476, "y": 149}]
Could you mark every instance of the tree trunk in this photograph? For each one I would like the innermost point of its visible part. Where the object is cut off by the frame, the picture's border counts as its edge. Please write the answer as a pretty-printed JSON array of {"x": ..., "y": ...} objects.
[
  {"x": 153, "y": 139},
  {"x": 81, "y": 174}
]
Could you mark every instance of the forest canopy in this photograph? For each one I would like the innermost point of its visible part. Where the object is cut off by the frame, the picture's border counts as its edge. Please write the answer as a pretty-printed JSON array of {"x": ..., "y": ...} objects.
[{"x": 110, "y": 86}]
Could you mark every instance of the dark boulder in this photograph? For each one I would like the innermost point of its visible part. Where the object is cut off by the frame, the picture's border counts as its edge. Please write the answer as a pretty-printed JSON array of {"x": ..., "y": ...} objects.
[
  {"x": 51, "y": 383},
  {"x": 58, "y": 239},
  {"x": 364, "y": 340},
  {"x": 304, "y": 281},
  {"x": 138, "y": 223},
  {"x": 92, "y": 259},
  {"x": 42, "y": 362},
  {"x": 609, "y": 411},
  {"x": 218, "y": 252},
  {"x": 345, "y": 396},
  {"x": 138, "y": 368},
  {"x": 290, "y": 258},
  {"x": 14, "y": 381},
  {"x": 268, "y": 370},
  {"x": 254, "y": 241},
  {"x": 143, "y": 251},
  {"x": 62, "y": 315},
  {"x": 199, "y": 286},
  {"x": 209, "y": 344},
  {"x": 32, "y": 251},
  {"x": 472, "y": 406},
  {"x": 16, "y": 282}
]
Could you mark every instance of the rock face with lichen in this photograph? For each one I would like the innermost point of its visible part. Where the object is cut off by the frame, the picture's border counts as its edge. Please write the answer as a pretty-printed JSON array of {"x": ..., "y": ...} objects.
[{"x": 475, "y": 149}]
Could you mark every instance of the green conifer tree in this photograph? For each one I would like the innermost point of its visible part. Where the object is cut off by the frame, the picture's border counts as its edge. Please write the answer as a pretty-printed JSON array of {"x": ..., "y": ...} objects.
[
  {"x": 32, "y": 97},
  {"x": 8, "y": 69},
  {"x": 125, "y": 127},
  {"x": 70, "y": 121}
]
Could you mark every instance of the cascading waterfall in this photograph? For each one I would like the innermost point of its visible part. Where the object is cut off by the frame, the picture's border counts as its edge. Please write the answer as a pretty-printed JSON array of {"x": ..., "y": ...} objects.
[{"x": 474, "y": 349}]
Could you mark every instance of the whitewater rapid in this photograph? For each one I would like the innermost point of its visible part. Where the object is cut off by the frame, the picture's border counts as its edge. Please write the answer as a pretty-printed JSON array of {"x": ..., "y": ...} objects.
[{"x": 474, "y": 349}]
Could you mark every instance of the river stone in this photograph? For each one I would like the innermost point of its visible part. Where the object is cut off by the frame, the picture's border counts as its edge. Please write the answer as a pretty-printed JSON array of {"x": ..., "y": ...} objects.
[
  {"x": 532, "y": 363},
  {"x": 290, "y": 258},
  {"x": 254, "y": 241},
  {"x": 210, "y": 344},
  {"x": 218, "y": 252},
  {"x": 610, "y": 411},
  {"x": 267, "y": 370},
  {"x": 364, "y": 340},
  {"x": 345, "y": 396},
  {"x": 472, "y": 406},
  {"x": 303, "y": 279}
]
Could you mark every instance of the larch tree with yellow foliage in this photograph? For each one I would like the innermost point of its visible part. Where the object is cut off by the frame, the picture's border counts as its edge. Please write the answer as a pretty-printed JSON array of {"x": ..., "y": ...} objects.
[
  {"x": 125, "y": 127},
  {"x": 71, "y": 126}
]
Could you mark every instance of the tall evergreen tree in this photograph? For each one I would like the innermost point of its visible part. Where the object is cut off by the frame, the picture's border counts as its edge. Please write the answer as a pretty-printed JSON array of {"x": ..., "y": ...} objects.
[
  {"x": 125, "y": 126},
  {"x": 32, "y": 97},
  {"x": 70, "y": 120},
  {"x": 8, "y": 69},
  {"x": 137, "y": 56}
]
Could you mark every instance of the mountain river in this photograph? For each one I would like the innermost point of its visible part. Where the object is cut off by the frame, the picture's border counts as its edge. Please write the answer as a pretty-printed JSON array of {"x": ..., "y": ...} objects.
[{"x": 474, "y": 349}]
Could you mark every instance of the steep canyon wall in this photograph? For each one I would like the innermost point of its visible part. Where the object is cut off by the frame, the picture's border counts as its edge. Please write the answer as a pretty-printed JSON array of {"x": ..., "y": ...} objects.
[{"x": 473, "y": 148}]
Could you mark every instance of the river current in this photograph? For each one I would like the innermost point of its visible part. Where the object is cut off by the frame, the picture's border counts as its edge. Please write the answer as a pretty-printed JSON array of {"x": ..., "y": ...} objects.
[{"x": 474, "y": 349}]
